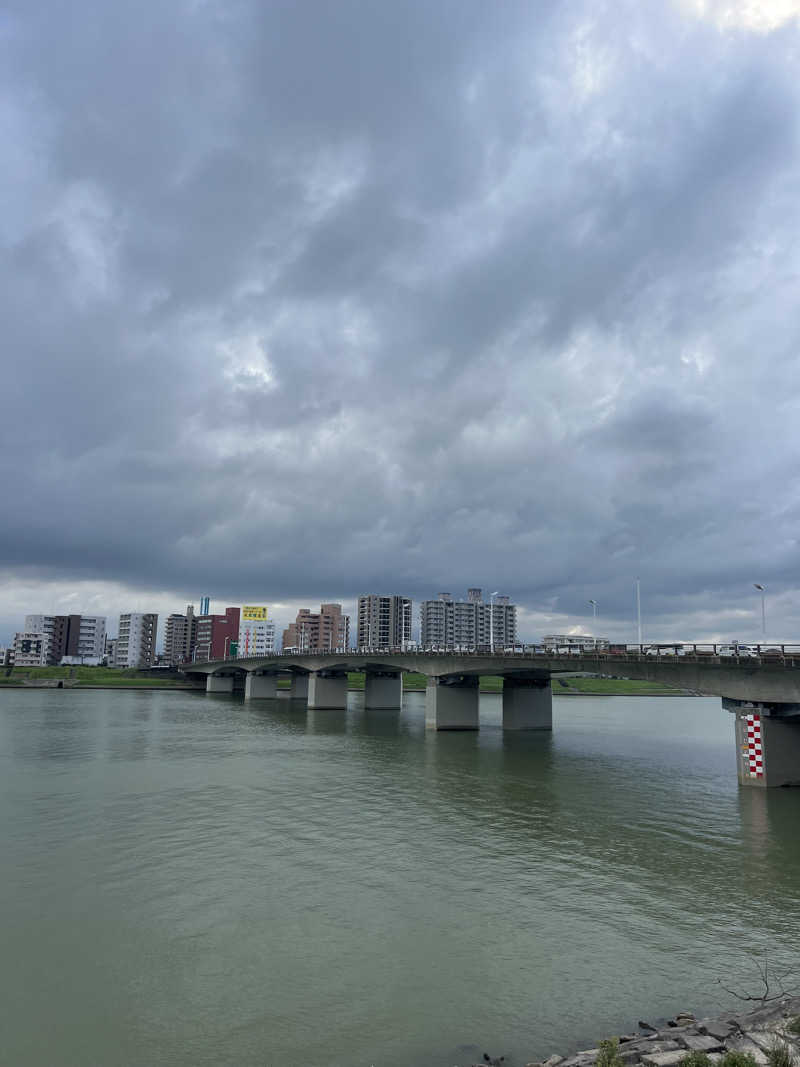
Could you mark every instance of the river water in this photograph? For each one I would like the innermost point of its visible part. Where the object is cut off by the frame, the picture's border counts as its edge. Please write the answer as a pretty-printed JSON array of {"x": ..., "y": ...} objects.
[{"x": 188, "y": 879}]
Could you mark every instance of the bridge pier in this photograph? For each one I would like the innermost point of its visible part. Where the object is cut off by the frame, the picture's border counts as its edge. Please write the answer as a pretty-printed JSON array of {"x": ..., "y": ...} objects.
[
  {"x": 451, "y": 702},
  {"x": 260, "y": 686},
  {"x": 219, "y": 683},
  {"x": 299, "y": 687},
  {"x": 527, "y": 703},
  {"x": 767, "y": 742},
  {"x": 383, "y": 690},
  {"x": 327, "y": 689}
]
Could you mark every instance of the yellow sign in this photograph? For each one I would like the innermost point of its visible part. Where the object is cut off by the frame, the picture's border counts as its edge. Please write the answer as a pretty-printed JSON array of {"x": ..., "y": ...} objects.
[{"x": 249, "y": 612}]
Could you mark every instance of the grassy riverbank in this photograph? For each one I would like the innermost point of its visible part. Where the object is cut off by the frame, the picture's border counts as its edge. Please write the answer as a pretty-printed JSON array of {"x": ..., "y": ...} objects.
[
  {"x": 118, "y": 678},
  {"x": 78, "y": 677}
]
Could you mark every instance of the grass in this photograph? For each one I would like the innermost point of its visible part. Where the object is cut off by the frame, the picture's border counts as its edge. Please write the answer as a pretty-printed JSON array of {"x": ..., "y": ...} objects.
[
  {"x": 608, "y": 1054},
  {"x": 610, "y": 686},
  {"x": 779, "y": 1055},
  {"x": 83, "y": 676},
  {"x": 695, "y": 1059},
  {"x": 737, "y": 1059}
]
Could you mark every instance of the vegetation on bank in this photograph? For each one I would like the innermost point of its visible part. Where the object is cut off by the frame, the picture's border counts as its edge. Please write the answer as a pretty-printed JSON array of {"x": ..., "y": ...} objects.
[
  {"x": 87, "y": 676},
  {"x": 125, "y": 678}
]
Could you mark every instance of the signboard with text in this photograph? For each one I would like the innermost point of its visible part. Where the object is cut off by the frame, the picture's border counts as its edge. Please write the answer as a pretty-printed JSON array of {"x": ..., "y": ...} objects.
[{"x": 250, "y": 612}]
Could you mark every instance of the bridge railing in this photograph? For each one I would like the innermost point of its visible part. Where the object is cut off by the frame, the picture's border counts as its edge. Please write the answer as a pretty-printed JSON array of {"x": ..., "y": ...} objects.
[{"x": 701, "y": 652}]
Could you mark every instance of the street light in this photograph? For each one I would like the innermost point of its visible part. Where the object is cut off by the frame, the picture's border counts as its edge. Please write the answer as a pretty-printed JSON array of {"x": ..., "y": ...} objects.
[
  {"x": 763, "y": 609},
  {"x": 491, "y": 621},
  {"x": 639, "y": 612},
  {"x": 594, "y": 611}
]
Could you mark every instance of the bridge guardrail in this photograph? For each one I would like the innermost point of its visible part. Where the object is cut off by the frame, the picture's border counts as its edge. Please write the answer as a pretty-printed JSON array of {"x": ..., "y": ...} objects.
[{"x": 728, "y": 653}]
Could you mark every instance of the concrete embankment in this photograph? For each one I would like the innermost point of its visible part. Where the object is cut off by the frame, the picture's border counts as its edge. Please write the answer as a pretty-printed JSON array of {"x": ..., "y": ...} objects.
[{"x": 757, "y": 1033}]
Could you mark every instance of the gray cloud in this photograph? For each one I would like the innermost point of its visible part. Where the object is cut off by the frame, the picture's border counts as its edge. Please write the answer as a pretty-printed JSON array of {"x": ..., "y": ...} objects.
[{"x": 308, "y": 300}]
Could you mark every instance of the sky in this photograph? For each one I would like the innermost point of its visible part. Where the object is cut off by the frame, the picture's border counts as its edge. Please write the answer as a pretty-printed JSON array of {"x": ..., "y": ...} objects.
[{"x": 303, "y": 301}]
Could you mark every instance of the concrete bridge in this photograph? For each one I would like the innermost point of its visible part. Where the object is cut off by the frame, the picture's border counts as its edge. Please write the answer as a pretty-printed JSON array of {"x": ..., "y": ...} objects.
[{"x": 762, "y": 690}]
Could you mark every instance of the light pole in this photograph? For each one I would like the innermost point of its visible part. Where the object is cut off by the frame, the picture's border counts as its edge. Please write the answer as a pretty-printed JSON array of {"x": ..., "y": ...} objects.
[
  {"x": 491, "y": 621},
  {"x": 594, "y": 611},
  {"x": 761, "y": 590},
  {"x": 639, "y": 611}
]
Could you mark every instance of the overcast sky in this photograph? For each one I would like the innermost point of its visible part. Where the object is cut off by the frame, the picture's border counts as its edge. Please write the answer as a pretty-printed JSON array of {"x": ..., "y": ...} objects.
[{"x": 305, "y": 300}]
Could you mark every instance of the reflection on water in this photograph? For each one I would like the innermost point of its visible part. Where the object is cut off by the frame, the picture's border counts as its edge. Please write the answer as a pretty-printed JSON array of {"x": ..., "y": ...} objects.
[{"x": 191, "y": 879}]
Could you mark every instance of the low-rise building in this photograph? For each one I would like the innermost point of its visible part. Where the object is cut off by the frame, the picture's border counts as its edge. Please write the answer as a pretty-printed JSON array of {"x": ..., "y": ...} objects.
[
  {"x": 575, "y": 642},
  {"x": 31, "y": 649}
]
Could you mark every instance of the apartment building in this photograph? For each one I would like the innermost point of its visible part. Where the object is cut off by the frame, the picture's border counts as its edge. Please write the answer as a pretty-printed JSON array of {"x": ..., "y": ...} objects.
[
  {"x": 327, "y": 630},
  {"x": 217, "y": 636},
  {"x": 468, "y": 624},
  {"x": 136, "y": 639},
  {"x": 31, "y": 649},
  {"x": 384, "y": 621},
  {"x": 72, "y": 638},
  {"x": 256, "y": 632},
  {"x": 180, "y": 635}
]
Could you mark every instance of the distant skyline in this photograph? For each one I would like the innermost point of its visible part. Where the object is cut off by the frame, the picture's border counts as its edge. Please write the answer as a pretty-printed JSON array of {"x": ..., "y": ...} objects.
[{"x": 304, "y": 301}]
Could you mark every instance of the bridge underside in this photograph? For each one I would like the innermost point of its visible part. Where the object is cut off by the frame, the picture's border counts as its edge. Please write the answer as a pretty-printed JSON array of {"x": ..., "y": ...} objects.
[{"x": 765, "y": 699}]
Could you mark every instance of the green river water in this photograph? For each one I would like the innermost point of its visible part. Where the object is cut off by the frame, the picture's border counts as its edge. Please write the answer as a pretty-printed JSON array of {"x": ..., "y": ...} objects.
[{"x": 191, "y": 880}]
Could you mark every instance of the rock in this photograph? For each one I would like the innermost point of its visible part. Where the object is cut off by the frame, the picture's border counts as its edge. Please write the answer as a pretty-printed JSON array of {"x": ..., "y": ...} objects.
[
  {"x": 624, "y": 1038},
  {"x": 701, "y": 1043},
  {"x": 645, "y": 1026},
  {"x": 553, "y": 1061},
  {"x": 765, "y": 1039},
  {"x": 718, "y": 1028},
  {"x": 663, "y": 1059},
  {"x": 744, "y": 1044}
]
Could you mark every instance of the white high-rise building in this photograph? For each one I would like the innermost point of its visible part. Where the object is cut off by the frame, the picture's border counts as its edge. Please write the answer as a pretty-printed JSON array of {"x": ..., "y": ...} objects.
[
  {"x": 256, "y": 632},
  {"x": 384, "y": 621},
  {"x": 72, "y": 638},
  {"x": 468, "y": 624},
  {"x": 136, "y": 640}
]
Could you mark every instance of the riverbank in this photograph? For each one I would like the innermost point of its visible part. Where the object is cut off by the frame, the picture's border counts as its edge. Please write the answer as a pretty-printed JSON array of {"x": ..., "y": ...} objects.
[
  {"x": 770, "y": 1035},
  {"x": 111, "y": 678}
]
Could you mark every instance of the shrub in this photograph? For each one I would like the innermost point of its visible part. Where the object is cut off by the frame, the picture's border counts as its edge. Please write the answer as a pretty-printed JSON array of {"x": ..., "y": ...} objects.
[
  {"x": 609, "y": 1056},
  {"x": 695, "y": 1059},
  {"x": 737, "y": 1059},
  {"x": 779, "y": 1055}
]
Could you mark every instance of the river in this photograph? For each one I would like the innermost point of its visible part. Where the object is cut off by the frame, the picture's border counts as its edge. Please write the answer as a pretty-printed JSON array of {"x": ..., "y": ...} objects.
[{"x": 191, "y": 880}]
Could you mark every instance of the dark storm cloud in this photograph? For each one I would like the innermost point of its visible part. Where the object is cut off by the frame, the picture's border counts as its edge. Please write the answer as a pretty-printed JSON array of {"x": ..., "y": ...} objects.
[{"x": 314, "y": 299}]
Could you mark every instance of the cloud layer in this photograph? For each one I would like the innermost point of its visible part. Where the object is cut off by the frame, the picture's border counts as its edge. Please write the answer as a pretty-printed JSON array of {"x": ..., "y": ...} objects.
[{"x": 301, "y": 301}]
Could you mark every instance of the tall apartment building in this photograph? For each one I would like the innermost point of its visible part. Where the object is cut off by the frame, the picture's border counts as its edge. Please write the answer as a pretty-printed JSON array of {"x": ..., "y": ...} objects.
[
  {"x": 180, "y": 634},
  {"x": 256, "y": 632},
  {"x": 136, "y": 640},
  {"x": 217, "y": 636},
  {"x": 31, "y": 649},
  {"x": 384, "y": 621},
  {"x": 470, "y": 623},
  {"x": 74, "y": 638},
  {"x": 325, "y": 631}
]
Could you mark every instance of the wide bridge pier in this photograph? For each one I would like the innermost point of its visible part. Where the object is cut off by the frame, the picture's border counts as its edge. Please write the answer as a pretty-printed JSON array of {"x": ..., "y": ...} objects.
[{"x": 761, "y": 688}]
